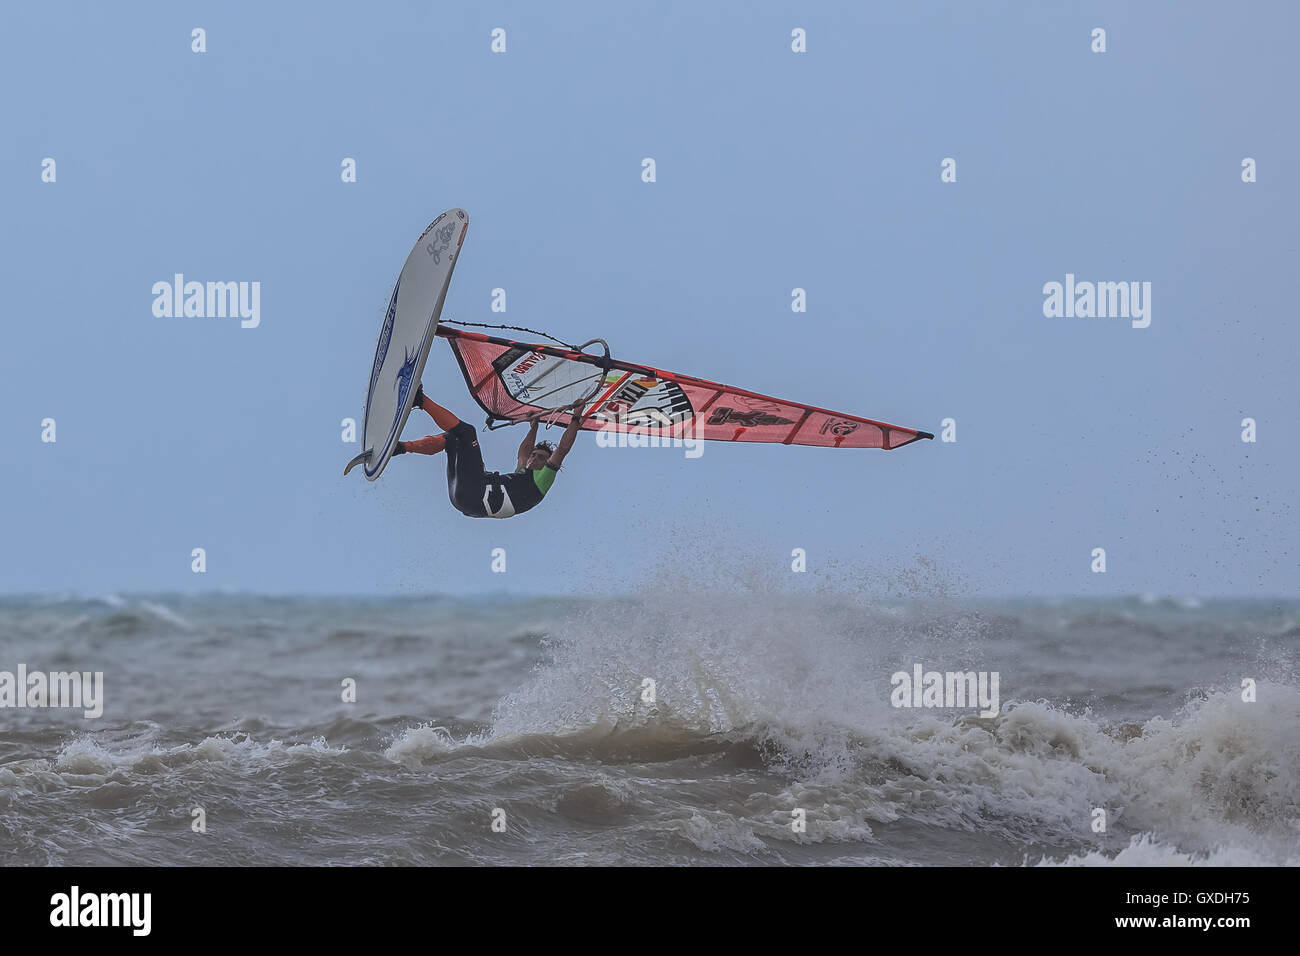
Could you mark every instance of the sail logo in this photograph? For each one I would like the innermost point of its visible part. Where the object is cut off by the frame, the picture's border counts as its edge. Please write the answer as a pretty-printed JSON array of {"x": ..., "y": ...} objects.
[
  {"x": 625, "y": 427},
  {"x": 529, "y": 362},
  {"x": 208, "y": 300},
  {"x": 839, "y": 427},
  {"x": 520, "y": 390},
  {"x": 1098, "y": 300},
  {"x": 750, "y": 419},
  {"x": 648, "y": 403}
]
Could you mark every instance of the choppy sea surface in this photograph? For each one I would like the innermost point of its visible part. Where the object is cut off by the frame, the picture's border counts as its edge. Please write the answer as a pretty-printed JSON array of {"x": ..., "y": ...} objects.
[{"x": 749, "y": 729}]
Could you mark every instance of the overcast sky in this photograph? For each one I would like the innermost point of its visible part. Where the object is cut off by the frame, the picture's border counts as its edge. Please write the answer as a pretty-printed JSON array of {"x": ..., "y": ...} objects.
[{"x": 775, "y": 170}]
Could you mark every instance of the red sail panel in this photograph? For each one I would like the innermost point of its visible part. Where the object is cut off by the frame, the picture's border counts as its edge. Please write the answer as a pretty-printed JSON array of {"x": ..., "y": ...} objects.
[{"x": 511, "y": 380}]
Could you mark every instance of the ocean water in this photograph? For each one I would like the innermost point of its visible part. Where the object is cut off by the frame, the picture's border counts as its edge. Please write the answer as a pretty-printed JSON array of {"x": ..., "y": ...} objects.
[{"x": 523, "y": 731}]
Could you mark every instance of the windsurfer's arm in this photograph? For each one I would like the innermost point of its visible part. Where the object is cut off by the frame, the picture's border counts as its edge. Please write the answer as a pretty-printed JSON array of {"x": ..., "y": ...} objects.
[
  {"x": 526, "y": 446},
  {"x": 566, "y": 441}
]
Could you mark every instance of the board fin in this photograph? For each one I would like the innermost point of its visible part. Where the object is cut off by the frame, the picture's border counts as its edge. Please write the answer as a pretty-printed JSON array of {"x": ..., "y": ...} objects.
[{"x": 364, "y": 456}]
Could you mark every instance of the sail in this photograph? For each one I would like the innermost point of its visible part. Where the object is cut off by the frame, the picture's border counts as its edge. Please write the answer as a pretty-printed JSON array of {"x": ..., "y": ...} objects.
[{"x": 511, "y": 380}]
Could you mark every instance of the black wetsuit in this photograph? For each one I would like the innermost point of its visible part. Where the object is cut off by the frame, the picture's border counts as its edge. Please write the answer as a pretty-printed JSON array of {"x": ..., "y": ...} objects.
[{"x": 488, "y": 494}]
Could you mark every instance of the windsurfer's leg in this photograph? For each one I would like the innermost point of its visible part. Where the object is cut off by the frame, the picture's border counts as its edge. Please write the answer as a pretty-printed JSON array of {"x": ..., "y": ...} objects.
[
  {"x": 428, "y": 445},
  {"x": 442, "y": 418},
  {"x": 466, "y": 477}
]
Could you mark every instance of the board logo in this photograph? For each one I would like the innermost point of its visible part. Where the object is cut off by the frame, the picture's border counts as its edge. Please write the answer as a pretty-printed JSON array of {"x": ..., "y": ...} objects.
[
  {"x": 404, "y": 376},
  {"x": 385, "y": 336},
  {"x": 438, "y": 245}
]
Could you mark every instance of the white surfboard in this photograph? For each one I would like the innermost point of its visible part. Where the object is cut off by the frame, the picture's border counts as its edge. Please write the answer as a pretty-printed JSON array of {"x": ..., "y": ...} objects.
[{"x": 406, "y": 337}]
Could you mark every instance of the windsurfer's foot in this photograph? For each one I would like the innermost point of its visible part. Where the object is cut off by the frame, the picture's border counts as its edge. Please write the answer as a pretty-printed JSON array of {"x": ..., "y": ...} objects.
[
  {"x": 418, "y": 400},
  {"x": 399, "y": 448}
]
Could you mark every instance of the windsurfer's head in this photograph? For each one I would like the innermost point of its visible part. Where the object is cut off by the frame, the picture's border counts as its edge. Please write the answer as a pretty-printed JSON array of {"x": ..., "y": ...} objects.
[{"x": 541, "y": 454}]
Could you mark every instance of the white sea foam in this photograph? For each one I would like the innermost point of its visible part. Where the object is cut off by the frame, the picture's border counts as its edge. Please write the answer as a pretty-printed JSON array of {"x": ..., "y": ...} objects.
[
  {"x": 808, "y": 689},
  {"x": 84, "y": 755},
  {"x": 167, "y": 614},
  {"x": 417, "y": 745},
  {"x": 763, "y": 705},
  {"x": 1146, "y": 850}
]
